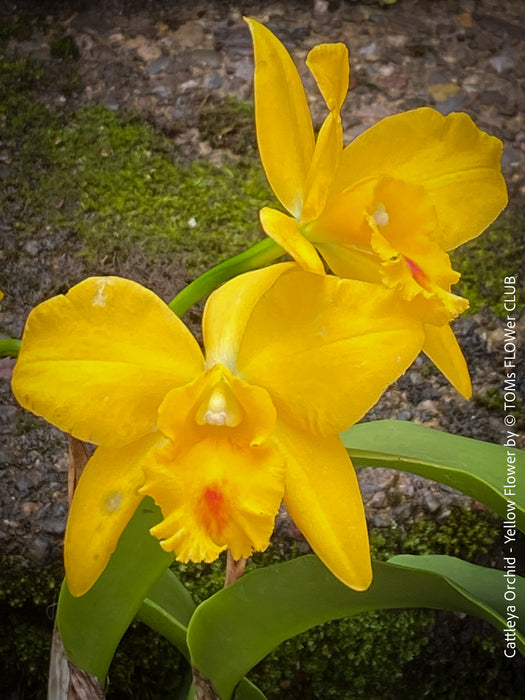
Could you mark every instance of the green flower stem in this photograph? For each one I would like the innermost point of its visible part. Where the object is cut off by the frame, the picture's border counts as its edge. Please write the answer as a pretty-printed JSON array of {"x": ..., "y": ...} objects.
[
  {"x": 261, "y": 254},
  {"x": 9, "y": 347}
]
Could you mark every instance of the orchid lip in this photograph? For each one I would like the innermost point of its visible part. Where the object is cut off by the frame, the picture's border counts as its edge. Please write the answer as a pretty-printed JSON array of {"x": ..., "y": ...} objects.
[{"x": 418, "y": 274}]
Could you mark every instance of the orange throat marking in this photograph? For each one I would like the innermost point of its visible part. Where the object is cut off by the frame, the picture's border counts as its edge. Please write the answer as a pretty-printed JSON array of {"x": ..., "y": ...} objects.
[
  {"x": 214, "y": 509},
  {"x": 418, "y": 274}
]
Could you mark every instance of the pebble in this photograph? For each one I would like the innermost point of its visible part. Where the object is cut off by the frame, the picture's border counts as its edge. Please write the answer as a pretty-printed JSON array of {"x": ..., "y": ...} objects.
[
  {"x": 40, "y": 550},
  {"x": 502, "y": 64},
  {"x": 441, "y": 92},
  {"x": 163, "y": 64},
  {"x": 31, "y": 248}
]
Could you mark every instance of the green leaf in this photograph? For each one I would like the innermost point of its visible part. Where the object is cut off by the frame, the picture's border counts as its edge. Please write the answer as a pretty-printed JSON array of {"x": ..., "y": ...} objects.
[
  {"x": 237, "y": 627},
  {"x": 92, "y": 625},
  {"x": 168, "y": 610},
  {"x": 485, "y": 588},
  {"x": 476, "y": 468}
]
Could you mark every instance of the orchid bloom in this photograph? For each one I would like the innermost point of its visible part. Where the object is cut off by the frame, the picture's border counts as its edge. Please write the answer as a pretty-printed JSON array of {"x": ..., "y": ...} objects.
[
  {"x": 388, "y": 207},
  {"x": 218, "y": 440}
]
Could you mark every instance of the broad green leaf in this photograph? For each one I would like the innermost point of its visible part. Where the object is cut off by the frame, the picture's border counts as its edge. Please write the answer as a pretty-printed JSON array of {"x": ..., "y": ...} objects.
[
  {"x": 92, "y": 625},
  {"x": 237, "y": 627},
  {"x": 168, "y": 610},
  {"x": 479, "y": 469},
  {"x": 486, "y": 588}
]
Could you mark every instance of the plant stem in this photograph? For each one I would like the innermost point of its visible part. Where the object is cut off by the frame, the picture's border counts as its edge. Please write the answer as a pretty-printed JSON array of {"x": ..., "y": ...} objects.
[
  {"x": 234, "y": 569},
  {"x": 262, "y": 253},
  {"x": 9, "y": 347}
]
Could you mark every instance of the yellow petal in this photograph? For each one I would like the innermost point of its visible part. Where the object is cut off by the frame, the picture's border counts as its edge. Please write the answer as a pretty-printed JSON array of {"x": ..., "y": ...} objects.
[
  {"x": 325, "y": 349},
  {"x": 346, "y": 261},
  {"x": 443, "y": 349},
  {"x": 322, "y": 496},
  {"x": 330, "y": 67},
  {"x": 228, "y": 309},
  {"x": 284, "y": 126},
  {"x": 458, "y": 165},
  {"x": 98, "y": 361},
  {"x": 331, "y": 70},
  {"x": 328, "y": 149},
  {"x": 284, "y": 231},
  {"x": 215, "y": 494},
  {"x": 344, "y": 220},
  {"x": 106, "y": 497}
]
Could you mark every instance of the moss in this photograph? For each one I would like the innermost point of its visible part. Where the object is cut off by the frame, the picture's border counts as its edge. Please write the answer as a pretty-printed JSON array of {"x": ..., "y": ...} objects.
[
  {"x": 64, "y": 46},
  {"x": 229, "y": 124},
  {"x": 485, "y": 261},
  {"x": 116, "y": 183},
  {"x": 19, "y": 26},
  {"x": 466, "y": 534}
]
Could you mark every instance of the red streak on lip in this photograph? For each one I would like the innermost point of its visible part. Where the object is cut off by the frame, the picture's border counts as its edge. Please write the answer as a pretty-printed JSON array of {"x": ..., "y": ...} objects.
[
  {"x": 214, "y": 509},
  {"x": 417, "y": 273},
  {"x": 213, "y": 498}
]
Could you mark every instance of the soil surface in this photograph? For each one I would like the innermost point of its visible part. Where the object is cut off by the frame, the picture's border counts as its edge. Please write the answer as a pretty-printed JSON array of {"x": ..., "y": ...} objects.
[{"x": 165, "y": 60}]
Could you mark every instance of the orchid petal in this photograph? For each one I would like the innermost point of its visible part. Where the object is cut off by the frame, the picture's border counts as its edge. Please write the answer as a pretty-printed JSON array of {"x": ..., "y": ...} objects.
[
  {"x": 106, "y": 497},
  {"x": 330, "y": 67},
  {"x": 457, "y": 164},
  {"x": 228, "y": 309},
  {"x": 284, "y": 126},
  {"x": 322, "y": 497},
  {"x": 443, "y": 349},
  {"x": 330, "y": 348},
  {"x": 284, "y": 231},
  {"x": 98, "y": 361}
]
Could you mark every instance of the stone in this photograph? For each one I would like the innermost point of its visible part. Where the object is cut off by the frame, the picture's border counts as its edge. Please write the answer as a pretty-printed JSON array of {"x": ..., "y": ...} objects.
[
  {"x": 370, "y": 52},
  {"x": 163, "y": 64},
  {"x": 453, "y": 104},
  {"x": 502, "y": 63},
  {"x": 213, "y": 81},
  {"x": 206, "y": 58},
  {"x": 55, "y": 526},
  {"x": 441, "y": 92},
  {"x": 511, "y": 156},
  {"x": 148, "y": 51},
  {"x": 188, "y": 35},
  {"x": 40, "y": 550}
]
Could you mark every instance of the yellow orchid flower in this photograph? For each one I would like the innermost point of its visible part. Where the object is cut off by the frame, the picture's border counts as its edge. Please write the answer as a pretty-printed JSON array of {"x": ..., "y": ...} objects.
[
  {"x": 388, "y": 207},
  {"x": 218, "y": 440}
]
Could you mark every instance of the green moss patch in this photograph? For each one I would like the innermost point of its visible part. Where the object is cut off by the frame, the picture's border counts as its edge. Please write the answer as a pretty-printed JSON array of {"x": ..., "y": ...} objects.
[
  {"x": 116, "y": 182},
  {"x": 229, "y": 124},
  {"x": 485, "y": 261}
]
